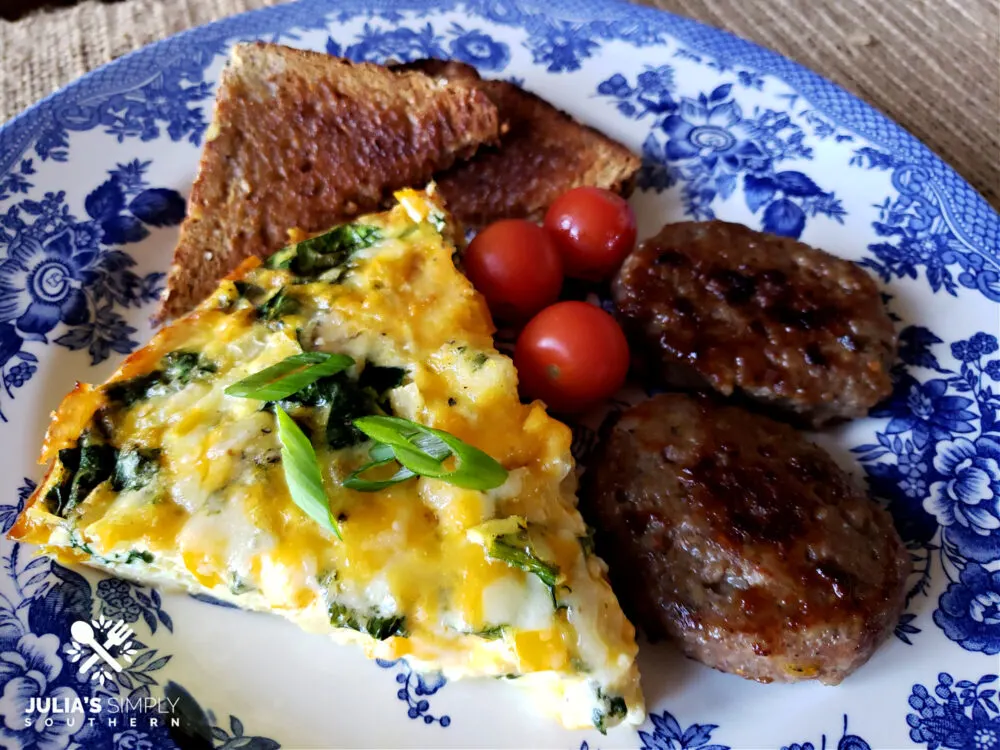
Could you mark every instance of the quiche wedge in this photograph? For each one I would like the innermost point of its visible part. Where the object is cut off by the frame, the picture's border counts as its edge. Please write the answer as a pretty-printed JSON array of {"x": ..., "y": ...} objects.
[{"x": 175, "y": 471}]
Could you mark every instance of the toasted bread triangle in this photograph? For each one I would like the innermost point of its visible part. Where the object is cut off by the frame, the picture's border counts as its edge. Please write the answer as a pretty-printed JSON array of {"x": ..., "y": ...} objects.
[
  {"x": 543, "y": 152},
  {"x": 301, "y": 140}
]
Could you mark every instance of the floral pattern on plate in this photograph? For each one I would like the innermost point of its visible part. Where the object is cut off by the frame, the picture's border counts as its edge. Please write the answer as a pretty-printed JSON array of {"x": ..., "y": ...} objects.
[{"x": 726, "y": 130}]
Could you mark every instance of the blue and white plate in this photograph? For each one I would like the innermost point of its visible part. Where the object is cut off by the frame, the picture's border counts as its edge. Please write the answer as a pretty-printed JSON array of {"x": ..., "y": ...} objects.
[{"x": 92, "y": 187}]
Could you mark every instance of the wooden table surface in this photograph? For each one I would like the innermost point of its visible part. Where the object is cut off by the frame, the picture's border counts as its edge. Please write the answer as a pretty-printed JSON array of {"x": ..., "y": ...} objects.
[{"x": 931, "y": 65}]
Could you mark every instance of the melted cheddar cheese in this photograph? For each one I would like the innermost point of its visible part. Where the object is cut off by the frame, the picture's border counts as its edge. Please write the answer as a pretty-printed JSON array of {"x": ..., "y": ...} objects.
[{"x": 197, "y": 496}]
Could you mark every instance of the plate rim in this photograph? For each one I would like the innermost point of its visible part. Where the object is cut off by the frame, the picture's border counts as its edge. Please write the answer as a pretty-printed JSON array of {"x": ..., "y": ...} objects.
[{"x": 139, "y": 67}]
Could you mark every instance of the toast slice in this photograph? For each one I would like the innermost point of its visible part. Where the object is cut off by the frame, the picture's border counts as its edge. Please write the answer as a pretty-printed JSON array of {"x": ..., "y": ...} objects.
[
  {"x": 178, "y": 471},
  {"x": 302, "y": 140},
  {"x": 542, "y": 153}
]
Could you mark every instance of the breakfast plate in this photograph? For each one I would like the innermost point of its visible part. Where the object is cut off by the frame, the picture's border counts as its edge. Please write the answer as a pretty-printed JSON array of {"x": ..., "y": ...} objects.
[{"x": 93, "y": 182}]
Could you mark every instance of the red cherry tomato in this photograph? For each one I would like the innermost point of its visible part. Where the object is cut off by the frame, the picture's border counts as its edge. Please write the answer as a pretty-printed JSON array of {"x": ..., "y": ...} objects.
[
  {"x": 594, "y": 230},
  {"x": 572, "y": 356},
  {"x": 516, "y": 266}
]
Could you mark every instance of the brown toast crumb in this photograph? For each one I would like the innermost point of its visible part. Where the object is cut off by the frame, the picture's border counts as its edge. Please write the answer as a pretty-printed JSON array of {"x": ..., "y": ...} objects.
[{"x": 304, "y": 140}]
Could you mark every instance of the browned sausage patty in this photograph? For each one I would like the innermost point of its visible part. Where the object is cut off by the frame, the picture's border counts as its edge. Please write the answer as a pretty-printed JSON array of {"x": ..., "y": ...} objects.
[
  {"x": 742, "y": 541},
  {"x": 780, "y": 321}
]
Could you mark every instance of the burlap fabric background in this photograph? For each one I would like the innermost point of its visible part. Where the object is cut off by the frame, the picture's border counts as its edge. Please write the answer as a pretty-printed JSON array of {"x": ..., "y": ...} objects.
[{"x": 931, "y": 65}]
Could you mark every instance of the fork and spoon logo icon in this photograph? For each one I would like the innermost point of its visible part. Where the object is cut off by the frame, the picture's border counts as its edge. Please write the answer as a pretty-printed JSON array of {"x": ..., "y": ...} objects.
[{"x": 83, "y": 633}]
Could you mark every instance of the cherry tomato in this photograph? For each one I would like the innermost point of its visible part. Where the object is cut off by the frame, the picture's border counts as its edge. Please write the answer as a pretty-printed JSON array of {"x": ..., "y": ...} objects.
[
  {"x": 594, "y": 230},
  {"x": 572, "y": 356},
  {"x": 516, "y": 266}
]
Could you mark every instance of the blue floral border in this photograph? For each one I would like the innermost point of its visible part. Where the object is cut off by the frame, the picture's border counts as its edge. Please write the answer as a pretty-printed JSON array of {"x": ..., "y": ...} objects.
[
  {"x": 936, "y": 225},
  {"x": 40, "y": 664}
]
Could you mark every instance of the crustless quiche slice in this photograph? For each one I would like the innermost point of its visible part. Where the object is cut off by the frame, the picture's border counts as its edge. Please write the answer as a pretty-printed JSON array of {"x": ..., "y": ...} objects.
[{"x": 333, "y": 437}]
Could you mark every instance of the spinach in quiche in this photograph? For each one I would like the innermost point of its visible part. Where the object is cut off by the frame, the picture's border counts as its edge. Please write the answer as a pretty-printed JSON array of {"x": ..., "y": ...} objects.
[
  {"x": 177, "y": 369},
  {"x": 340, "y": 399},
  {"x": 325, "y": 252},
  {"x": 83, "y": 468},
  {"x": 135, "y": 468},
  {"x": 377, "y": 626}
]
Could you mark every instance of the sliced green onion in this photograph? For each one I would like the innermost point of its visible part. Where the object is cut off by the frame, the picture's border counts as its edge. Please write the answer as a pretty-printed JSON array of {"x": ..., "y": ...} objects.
[
  {"x": 422, "y": 450},
  {"x": 356, "y": 482},
  {"x": 434, "y": 446},
  {"x": 420, "y": 462},
  {"x": 380, "y": 455},
  {"x": 289, "y": 376},
  {"x": 302, "y": 473},
  {"x": 392, "y": 431}
]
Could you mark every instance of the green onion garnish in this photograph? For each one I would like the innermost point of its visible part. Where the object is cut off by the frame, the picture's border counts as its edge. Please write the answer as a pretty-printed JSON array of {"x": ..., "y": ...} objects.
[
  {"x": 380, "y": 455},
  {"x": 289, "y": 376},
  {"x": 421, "y": 451},
  {"x": 302, "y": 473}
]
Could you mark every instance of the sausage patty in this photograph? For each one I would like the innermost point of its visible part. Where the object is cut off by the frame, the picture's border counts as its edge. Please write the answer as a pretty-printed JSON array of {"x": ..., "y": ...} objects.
[
  {"x": 743, "y": 542},
  {"x": 783, "y": 322}
]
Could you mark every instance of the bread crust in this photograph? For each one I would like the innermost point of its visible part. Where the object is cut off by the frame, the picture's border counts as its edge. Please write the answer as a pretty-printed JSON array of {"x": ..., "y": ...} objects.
[
  {"x": 543, "y": 152},
  {"x": 302, "y": 140}
]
